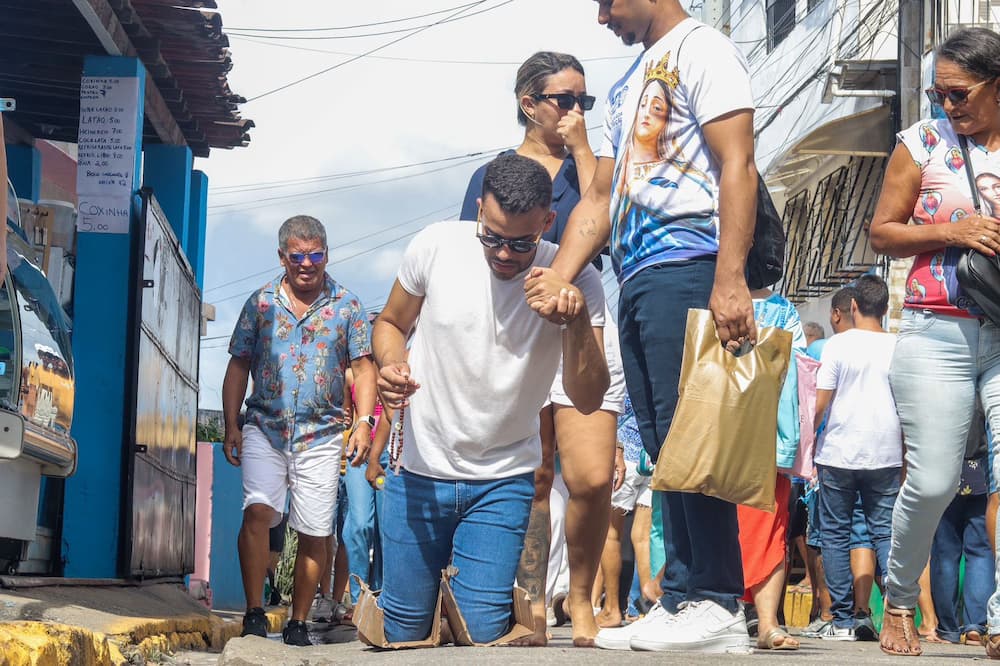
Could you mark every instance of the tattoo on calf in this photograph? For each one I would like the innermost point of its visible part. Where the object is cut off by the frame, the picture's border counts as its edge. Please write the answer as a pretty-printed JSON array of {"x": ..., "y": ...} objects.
[{"x": 535, "y": 556}]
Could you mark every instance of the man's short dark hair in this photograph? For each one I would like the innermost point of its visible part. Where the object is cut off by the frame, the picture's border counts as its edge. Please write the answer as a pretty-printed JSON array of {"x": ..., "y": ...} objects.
[
  {"x": 519, "y": 184},
  {"x": 872, "y": 295},
  {"x": 842, "y": 300}
]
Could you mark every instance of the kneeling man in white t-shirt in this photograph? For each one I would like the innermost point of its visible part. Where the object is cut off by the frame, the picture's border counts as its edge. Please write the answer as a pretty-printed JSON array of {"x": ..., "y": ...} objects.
[{"x": 479, "y": 369}]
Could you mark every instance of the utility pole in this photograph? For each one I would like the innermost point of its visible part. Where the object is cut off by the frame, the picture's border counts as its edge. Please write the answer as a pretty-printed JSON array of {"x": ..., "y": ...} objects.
[{"x": 910, "y": 54}]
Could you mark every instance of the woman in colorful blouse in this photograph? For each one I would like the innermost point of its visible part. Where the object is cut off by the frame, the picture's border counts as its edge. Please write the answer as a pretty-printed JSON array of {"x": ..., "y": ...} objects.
[{"x": 946, "y": 350}]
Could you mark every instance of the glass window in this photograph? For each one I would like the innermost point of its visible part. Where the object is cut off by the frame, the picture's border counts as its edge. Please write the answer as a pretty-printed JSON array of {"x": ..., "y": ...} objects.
[
  {"x": 46, "y": 357},
  {"x": 780, "y": 21}
]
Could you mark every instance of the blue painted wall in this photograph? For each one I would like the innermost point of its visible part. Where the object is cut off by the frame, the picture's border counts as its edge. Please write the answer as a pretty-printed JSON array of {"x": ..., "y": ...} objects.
[
  {"x": 24, "y": 168},
  {"x": 167, "y": 169},
  {"x": 194, "y": 246},
  {"x": 93, "y": 502},
  {"x": 227, "y": 515}
]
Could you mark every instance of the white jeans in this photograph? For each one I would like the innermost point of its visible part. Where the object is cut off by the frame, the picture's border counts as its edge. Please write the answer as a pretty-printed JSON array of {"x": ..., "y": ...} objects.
[
  {"x": 312, "y": 476},
  {"x": 939, "y": 365}
]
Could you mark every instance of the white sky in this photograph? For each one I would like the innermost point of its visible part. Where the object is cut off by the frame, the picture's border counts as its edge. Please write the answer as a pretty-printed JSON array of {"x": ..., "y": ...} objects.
[{"x": 371, "y": 114}]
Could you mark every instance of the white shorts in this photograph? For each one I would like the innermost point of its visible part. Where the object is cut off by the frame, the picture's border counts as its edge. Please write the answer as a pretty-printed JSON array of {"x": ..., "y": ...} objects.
[
  {"x": 614, "y": 397},
  {"x": 635, "y": 490},
  {"x": 312, "y": 476}
]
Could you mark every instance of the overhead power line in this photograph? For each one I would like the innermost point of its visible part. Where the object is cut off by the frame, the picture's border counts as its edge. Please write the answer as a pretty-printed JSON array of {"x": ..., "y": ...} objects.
[
  {"x": 415, "y": 31},
  {"x": 359, "y": 25},
  {"x": 436, "y": 61}
]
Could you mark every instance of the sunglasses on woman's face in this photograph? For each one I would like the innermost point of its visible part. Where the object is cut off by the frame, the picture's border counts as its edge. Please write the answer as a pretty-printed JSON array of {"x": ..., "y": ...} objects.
[
  {"x": 954, "y": 95},
  {"x": 299, "y": 258},
  {"x": 567, "y": 101}
]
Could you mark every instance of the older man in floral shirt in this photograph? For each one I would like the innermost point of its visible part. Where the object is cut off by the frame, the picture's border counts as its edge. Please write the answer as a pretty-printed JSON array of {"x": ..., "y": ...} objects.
[{"x": 296, "y": 337}]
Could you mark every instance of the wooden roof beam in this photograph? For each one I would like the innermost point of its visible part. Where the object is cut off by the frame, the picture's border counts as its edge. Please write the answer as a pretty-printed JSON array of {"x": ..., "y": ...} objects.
[{"x": 109, "y": 31}]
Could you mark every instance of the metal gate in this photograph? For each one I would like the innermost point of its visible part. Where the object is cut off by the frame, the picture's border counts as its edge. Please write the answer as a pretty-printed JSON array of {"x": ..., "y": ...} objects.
[{"x": 162, "y": 470}]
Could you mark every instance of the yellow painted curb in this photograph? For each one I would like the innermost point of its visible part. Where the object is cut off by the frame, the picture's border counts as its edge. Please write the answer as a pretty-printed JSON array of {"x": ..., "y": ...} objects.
[
  {"x": 47, "y": 644},
  {"x": 51, "y": 644}
]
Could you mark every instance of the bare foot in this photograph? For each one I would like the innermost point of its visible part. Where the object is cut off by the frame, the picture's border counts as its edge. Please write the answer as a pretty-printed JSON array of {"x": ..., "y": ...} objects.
[
  {"x": 608, "y": 618},
  {"x": 538, "y": 639},
  {"x": 584, "y": 625},
  {"x": 930, "y": 636}
]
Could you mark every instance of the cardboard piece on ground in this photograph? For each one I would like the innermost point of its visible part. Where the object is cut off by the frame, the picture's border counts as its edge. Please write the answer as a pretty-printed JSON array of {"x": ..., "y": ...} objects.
[
  {"x": 370, "y": 621},
  {"x": 523, "y": 620}
]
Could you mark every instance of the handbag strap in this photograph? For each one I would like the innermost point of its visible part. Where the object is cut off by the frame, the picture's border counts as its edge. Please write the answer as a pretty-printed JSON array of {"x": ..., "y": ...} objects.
[{"x": 977, "y": 204}]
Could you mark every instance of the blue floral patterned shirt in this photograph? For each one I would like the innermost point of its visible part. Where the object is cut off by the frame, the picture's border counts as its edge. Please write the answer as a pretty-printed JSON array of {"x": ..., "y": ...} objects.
[
  {"x": 298, "y": 365},
  {"x": 628, "y": 433}
]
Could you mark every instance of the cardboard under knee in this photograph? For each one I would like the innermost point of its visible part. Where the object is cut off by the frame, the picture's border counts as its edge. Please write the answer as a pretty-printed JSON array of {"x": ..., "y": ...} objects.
[{"x": 370, "y": 619}]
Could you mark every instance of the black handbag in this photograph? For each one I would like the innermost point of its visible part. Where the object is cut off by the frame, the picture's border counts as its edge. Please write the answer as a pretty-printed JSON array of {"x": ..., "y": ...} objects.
[
  {"x": 979, "y": 275},
  {"x": 766, "y": 259}
]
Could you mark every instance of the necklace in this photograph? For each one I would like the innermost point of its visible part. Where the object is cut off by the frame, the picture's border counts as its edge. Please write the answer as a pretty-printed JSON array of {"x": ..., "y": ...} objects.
[{"x": 396, "y": 441}]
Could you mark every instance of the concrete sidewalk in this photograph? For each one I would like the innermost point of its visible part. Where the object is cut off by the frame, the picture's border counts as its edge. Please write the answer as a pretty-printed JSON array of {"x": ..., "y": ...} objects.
[{"x": 108, "y": 624}]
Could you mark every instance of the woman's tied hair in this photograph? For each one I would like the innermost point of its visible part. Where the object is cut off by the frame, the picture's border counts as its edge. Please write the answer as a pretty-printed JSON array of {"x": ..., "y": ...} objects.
[{"x": 534, "y": 73}]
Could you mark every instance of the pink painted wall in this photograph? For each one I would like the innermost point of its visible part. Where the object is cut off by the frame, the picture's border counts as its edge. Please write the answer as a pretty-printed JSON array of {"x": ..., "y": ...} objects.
[{"x": 203, "y": 513}]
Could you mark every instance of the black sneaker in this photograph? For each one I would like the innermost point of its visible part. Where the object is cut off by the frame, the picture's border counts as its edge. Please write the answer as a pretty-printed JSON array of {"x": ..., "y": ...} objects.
[
  {"x": 295, "y": 633},
  {"x": 864, "y": 628},
  {"x": 255, "y": 623}
]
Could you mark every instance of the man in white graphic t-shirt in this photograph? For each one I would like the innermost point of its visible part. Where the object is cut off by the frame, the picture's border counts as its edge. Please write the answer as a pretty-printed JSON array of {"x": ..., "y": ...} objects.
[
  {"x": 674, "y": 196},
  {"x": 480, "y": 367},
  {"x": 860, "y": 451}
]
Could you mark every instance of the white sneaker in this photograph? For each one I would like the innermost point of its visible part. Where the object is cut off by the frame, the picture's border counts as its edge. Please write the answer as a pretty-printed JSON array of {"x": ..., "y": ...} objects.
[
  {"x": 833, "y": 633},
  {"x": 619, "y": 638},
  {"x": 323, "y": 610},
  {"x": 701, "y": 626}
]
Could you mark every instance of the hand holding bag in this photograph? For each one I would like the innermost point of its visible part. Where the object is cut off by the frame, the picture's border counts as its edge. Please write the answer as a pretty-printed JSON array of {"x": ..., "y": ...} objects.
[
  {"x": 721, "y": 440},
  {"x": 979, "y": 275}
]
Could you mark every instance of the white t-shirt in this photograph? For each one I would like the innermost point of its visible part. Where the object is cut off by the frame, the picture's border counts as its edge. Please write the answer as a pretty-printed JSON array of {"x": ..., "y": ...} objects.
[
  {"x": 665, "y": 192},
  {"x": 484, "y": 360},
  {"x": 862, "y": 429}
]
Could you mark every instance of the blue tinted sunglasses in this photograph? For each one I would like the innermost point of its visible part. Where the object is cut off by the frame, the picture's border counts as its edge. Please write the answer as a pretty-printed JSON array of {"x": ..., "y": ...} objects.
[{"x": 298, "y": 258}]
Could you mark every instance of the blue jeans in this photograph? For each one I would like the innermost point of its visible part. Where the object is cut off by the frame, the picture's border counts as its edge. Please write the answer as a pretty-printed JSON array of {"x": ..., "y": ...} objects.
[
  {"x": 962, "y": 531},
  {"x": 839, "y": 489},
  {"x": 939, "y": 365},
  {"x": 477, "y": 526},
  {"x": 361, "y": 529},
  {"x": 701, "y": 534}
]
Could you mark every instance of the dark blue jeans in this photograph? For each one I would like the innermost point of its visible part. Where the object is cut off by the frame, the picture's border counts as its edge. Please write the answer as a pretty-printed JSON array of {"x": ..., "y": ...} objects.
[
  {"x": 839, "y": 489},
  {"x": 962, "y": 531},
  {"x": 701, "y": 534}
]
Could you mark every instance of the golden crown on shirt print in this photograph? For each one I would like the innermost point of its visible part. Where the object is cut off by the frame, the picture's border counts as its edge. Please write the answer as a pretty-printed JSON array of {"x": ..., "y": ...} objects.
[{"x": 662, "y": 72}]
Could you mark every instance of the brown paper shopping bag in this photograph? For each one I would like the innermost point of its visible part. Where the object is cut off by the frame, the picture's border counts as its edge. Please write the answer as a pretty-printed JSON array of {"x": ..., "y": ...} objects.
[{"x": 722, "y": 437}]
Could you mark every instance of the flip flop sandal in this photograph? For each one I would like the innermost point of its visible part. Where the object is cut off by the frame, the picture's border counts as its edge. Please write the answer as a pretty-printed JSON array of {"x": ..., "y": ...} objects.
[
  {"x": 899, "y": 628},
  {"x": 769, "y": 641}
]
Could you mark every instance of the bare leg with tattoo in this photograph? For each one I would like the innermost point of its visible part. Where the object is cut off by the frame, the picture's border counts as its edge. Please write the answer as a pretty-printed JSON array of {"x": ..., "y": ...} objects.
[
  {"x": 586, "y": 453},
  {"x": 535, "y": 556}
]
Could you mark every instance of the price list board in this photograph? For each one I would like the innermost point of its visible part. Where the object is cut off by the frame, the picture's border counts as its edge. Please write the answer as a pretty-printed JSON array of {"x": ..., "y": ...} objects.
[{"x": 106, "y": 166}]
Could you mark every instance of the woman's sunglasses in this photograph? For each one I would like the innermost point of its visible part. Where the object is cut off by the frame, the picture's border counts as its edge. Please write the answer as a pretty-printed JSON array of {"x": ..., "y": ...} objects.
[
  {"x": 954, "y": 95},
  {"x": 299, "y": 258},
  {"x": 567, "y": 101}
]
